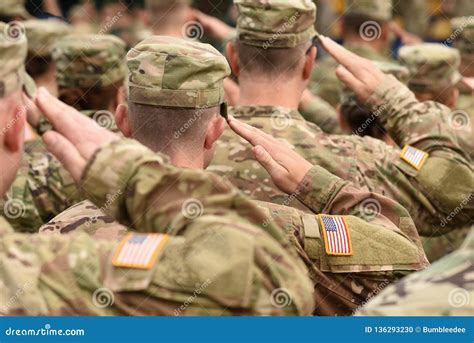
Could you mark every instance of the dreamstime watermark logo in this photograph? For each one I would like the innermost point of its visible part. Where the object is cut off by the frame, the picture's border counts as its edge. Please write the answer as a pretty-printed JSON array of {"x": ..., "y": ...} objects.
[
  {"x": 103, "y": 297},
  {"x": 15, "y": 297},
  {"x": 192, "y": 208},
  {"x": 457, "y": 210},
  {"x": 192, "y": 30},
  {"x": 459, "y": 120},
  {"x": 14, "y": 31},
  {"x": 289, "y": 22},
  {"x": 369, "y": 209},
  {"x": 459, "y": 297},
  {"x": 197, "y": 116},
  {"x": 14, "y": 208},
  {"x": 372, "y": 294},
  {"x": 104, "y": 118},
  {"x": 280, "y": 298},
  {"x": 286, "y": 202},
  {"x": 373, "y": 117},
  {"x": 370, "y": 31},
  {"x": 110, "y": 200},
  {"x": 198, "y": 291},
  {"x": 457, "y": 32},
  {"x": 281, "y": 121}
]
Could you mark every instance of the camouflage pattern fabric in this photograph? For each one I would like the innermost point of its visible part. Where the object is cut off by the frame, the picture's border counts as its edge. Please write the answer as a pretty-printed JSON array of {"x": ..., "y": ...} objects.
[
  {"x": 275, "y": 23},
  {"x": 321, "y": 113},
  {"x": 65, "y": 274},
  {"x": 324, "y": 82},
  {"x": 433, "y": 67},
  {"x": 443, "y": 289},
  {"x": 341, "y": 284},
  {"x": 442, "y": 187},
  {"x": 463, "y": 33},
  {"x": 43, "y": 34},
  {"x": 462, "y": 120},
  {"x": 439, "y": 246},
  {"x": 86, "y": 60},
  {"x": 375, "y": 9},
  {"x": 194, "y": 76}
]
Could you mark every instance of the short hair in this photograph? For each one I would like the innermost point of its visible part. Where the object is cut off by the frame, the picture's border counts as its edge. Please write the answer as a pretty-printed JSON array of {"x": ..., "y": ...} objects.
[
  {"x": 95, "y": 98},
  {"x": 270, "y": 62},
  {"x": 164, "y": 15},
  {"x": 170, "y": 129},
  {"x": 37, "y": 66},
  {"x": 353, "y": 23},
  {"x": 362, "y": 121}
]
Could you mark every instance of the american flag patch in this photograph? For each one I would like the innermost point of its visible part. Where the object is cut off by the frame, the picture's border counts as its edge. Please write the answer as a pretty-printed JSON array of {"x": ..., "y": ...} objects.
[
  {"x": 337, "y": 238},
  {"x": 413, "y": 156},
  {"x": 139, "y": 251}
]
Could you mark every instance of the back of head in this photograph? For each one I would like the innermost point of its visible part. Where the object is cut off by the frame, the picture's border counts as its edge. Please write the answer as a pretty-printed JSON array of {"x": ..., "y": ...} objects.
[
  {"x": 365, "y": 18},
  {"x": 274, "y": 35},
  {"x": 175, "y": 88},
  {"x": 167, "y": 15},
  {"x": 42, "y": 35},
  {"x": 89, "y": 69},
  {"x": 434, "y": 68}
]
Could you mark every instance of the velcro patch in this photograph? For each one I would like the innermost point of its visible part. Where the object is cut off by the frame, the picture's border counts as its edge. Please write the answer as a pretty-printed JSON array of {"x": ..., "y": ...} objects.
[
  {"x": 139, "y": 251},
  {"x": 413, "y": 156},
  {"x": 337, "y": 238}
]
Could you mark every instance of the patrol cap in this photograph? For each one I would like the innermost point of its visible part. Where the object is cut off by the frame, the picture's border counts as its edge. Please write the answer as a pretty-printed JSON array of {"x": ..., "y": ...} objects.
[
  {"x": 173, "y": 72},
  {"x": 400, "y": 72},
  {"x": 463, "y": 34},
  {"x": 166, "y": 2},
  {"x": 275, "y": 23},
  {"x": 43, "y": 34},
  {"x": 433, "y": 67},
  {"x": 376, "y": 9},
  {"x": 87, "y": 60},
  {"x": 13, "y": 77},
  {"x": 14, "y": 8}
]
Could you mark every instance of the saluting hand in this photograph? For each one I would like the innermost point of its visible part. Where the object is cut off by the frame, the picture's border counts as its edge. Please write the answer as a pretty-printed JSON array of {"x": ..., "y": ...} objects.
[{"x": 285, "y": 166}]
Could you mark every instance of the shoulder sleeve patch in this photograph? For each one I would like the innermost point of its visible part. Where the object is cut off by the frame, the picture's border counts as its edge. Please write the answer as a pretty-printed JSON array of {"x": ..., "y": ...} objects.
[
  {"x": 337, "y": 238},
  {"x": 413, "y": 156},
  {"x": 139, "y": 251}
]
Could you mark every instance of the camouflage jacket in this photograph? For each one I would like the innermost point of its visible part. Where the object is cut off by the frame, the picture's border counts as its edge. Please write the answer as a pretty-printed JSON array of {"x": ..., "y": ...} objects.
[
  {"x": 43, "y": 188},
  {"x": 324, "y": 82},
  {"x": 438, "y": 196},
  {"x": 462, "y": 120},
  {"x": 321, "y": 113},
  {"x": 443, "y": 289},
  {"x": 341, "y": 283},
  {"x": 214, "y": 258}
]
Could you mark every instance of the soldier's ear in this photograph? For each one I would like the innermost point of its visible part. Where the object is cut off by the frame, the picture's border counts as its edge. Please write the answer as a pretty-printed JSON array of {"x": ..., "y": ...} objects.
[
  {"x": 215, "y": 128},
  {"x": 15, "y": 131},
  {"x": 310, "y": 57},
  {"x": 233, "y": 59},
  {"x": 121, "y": 120}
]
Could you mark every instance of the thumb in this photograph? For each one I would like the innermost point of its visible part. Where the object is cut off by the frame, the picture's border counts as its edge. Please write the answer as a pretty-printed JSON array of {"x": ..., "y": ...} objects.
[{"x": 66, "y": 153}]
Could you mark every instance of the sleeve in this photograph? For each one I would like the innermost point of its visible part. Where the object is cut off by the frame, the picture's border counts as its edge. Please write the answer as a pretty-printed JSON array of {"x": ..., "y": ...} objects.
[
  {"x": 446, "y": 178},
  {"x": 319, "y": 112}
]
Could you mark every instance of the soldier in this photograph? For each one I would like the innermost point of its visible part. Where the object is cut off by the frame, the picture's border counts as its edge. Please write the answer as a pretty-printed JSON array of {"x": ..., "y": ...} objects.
[
  {"x": 90, "y": 72},
  {"x": 369, "y": 164},
  {"x": 180, "y": 117},
  {"x": 435, "y": 77},
  {"x": 365, "y": 30},
  {"x": 183, "y": 273},
  {"x": 443, "y": 289}
]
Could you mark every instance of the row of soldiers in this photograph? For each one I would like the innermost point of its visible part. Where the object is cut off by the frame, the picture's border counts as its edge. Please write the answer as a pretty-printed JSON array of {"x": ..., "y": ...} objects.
[{"x": 119, "y": 217}]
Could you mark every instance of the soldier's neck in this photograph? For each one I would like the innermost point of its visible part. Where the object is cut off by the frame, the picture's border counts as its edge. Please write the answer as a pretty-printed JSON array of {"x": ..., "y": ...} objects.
[{"x": 256, "y": 93}]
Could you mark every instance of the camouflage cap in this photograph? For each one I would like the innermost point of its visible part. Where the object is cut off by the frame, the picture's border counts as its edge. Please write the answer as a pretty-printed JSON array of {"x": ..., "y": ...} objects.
[
  {"x": 433, "y": 67},
  {"x": 172, "y": 72},
  {"x": 402, "y": 73},
  {"x": 463, "y": 34},
  {"x": 14, "y": 8},
  {"x": 43, "y": 34},
  {"x": 13, "y": 76},
  {"x": 166, "y": 2},
  {"x": 86, "y": 60},
  {"x": 275, "y": 23},
  {"x": 376, "y": 9}
]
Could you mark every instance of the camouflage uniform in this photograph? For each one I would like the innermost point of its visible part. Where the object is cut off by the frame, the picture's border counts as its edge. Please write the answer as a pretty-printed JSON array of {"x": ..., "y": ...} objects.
[
  {"x": 65, "y": 275},
  {"x": 385, "y": 241},
  {"x": 324, "y": 81},
  {"x": 321, "y": 113},
  {"x": 430, "y": 193},
  {"x": 443, "y": 289},
  {"x": 43, "y": 188},
  {"x": 43, "y": 34},
  {"x": 434, "y": 69}
]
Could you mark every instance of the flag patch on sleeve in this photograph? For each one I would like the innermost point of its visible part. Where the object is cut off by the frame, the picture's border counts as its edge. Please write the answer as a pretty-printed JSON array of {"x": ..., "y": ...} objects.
[
  {"x": 337, "y": 238},
  {"x": 139, "y": 251},
  {"x": 414, "y": 157}
]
